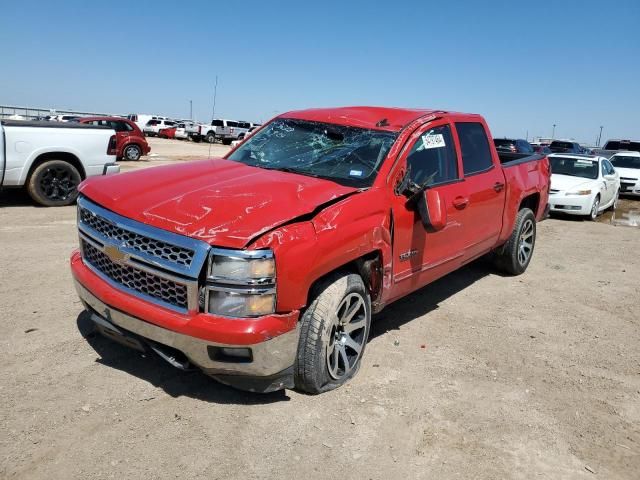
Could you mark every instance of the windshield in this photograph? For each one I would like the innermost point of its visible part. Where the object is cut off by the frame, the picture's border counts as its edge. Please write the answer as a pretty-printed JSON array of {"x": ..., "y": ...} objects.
[
  {"x": 622, "y": 145},
  {"x": 621, "y": 161},
  {"x": 574, "y": 167},
  {"x": 347, "y": 155}
]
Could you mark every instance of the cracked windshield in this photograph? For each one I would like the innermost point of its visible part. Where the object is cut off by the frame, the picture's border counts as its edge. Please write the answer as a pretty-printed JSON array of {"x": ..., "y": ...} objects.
[{"x": 347, "y": 155}]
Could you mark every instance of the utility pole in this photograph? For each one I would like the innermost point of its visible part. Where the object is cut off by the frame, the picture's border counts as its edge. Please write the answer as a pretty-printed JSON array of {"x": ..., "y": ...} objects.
[
  {"x": 600, "y": 136},
  {"x": 553, "y": 133},
  {"x": 190, "y": 109},
  {"x": 215, "y": 93}
]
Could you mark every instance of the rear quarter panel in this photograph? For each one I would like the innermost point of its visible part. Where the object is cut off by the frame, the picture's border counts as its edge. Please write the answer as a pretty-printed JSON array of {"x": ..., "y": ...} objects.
[{"x": 523, "y": 180}]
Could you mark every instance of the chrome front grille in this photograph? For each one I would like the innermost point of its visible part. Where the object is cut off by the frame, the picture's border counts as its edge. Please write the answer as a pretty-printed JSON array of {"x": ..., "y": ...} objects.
[
  {"x": 165, "y": 290},
  {"x": 150, "y": 246},
  {"x": 154, "y": 264}
]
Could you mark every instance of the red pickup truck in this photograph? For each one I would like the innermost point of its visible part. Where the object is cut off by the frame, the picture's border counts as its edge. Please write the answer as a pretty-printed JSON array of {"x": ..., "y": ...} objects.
[{"x": 264, "y": 268}]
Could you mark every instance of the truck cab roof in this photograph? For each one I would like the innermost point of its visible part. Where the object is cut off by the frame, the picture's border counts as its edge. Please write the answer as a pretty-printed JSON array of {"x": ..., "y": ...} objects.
[{"x": 375, "y": 118}]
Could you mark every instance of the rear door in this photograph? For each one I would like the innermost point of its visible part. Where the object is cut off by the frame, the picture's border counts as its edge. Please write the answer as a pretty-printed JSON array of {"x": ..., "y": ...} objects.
[
  {"x": 419, "y": 256},
  {"x": 482, "y": 196}
]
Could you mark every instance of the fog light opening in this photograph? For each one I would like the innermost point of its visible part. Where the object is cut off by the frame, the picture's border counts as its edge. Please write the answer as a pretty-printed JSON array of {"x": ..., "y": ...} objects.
[{"x": 230, "y": 354}]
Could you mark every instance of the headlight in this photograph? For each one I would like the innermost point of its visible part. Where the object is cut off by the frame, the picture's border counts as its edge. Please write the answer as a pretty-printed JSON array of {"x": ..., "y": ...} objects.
[
  {"x": 579, "y": 192},
  {"x": 241, "y": 283},
  {"x": 243, "y": 267},
  {"x": 237, "y": 303}
]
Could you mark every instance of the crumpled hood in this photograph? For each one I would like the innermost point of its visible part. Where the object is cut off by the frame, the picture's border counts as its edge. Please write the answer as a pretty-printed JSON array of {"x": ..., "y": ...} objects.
[
  {"x": 222, "y": 202},
  {"x": 567, "y": 182}
]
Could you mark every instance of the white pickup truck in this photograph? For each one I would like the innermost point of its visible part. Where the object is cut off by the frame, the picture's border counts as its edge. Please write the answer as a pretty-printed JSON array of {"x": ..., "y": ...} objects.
[{"x": 50, "y": 159}]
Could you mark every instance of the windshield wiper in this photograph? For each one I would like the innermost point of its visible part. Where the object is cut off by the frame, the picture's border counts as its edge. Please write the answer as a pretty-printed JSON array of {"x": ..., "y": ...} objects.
[{"x": 290, "y": 170}]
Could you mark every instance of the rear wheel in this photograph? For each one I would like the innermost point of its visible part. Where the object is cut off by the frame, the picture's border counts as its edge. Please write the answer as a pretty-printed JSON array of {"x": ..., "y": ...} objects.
[
  {"x": 514, "y": 256},
  {"x": 132, "y": 152},
  {"x": 333, "y": 334},
  {"x": 54, "y": 183}
]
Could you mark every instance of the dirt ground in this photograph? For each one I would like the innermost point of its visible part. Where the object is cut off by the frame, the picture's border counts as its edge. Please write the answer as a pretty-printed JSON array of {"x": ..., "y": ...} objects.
[{"x": 477, "y": 376}]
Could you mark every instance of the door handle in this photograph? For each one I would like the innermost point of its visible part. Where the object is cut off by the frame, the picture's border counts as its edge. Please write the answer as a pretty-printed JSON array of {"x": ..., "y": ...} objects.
[
  {"x": 498, "y": 186},
  {"x": 460, "y": 202}
]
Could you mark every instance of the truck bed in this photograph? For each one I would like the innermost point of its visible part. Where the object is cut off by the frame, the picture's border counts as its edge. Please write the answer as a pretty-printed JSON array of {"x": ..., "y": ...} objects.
[
  {"x": 47, "y": 124},
  {"x": 509, "y": 159}
]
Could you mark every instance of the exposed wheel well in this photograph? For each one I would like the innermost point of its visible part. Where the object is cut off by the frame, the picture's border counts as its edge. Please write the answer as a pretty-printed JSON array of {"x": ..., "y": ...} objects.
[
  {"x": 531, "y": 202},
  {"x": 67, "y": 157},
  {"x": 369, "y": 267}
]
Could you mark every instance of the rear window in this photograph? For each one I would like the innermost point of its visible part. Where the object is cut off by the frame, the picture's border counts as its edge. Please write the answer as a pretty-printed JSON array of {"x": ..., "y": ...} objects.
[
  {"x": 622, "y": 161},
  {"x": 243, "y": 124},
  {"x": 622, "y": 145},
  {"x": 503, "y": 141},
  {"x": 231, "y": 123},
  {"x": 476, "y": 155},
  {"x": 556, "y": 144},
  {"x": 153, "y": 122},
  {"x": 169, "y": 124}
]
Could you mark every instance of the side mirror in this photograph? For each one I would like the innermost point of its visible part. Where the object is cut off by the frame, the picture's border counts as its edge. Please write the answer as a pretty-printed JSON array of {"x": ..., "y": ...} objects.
[{"x": 432, "y": 210}]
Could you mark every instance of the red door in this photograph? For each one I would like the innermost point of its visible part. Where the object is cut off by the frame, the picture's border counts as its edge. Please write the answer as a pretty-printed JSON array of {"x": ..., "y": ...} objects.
[
  {"x": 483, "y": 190},
  {"x": 419, "y": 256}
]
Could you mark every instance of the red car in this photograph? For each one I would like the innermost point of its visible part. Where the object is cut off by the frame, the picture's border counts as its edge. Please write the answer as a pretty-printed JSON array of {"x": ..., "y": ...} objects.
[
  {"x": 263, "y": 268},
  {"x": 131, "y": 143}
]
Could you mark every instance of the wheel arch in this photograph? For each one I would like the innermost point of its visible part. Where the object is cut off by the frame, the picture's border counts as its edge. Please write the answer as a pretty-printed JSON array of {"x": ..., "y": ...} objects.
[
  {"x": 368, "y": 266},
  {"x": 65, "y": 156}
]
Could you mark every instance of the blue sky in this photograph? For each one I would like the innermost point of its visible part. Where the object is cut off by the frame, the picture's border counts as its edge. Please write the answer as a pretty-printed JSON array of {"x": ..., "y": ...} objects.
[{"x": 523, "y": 65}]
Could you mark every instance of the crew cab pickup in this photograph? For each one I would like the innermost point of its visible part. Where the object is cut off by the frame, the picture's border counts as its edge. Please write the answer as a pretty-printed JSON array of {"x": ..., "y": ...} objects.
[
  {"x": 52, "y": 158},
  {"x": 263, "y": 268}
]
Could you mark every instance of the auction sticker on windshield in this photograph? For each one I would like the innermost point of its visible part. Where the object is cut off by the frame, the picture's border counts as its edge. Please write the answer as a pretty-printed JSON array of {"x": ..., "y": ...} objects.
[{"x": 433, "y": 141}]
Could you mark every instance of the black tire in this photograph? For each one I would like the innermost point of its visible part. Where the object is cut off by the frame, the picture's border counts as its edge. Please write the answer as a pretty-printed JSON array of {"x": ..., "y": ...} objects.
[
  {"x": 210, "y": 137},
  {"x": 594, "y": 209},
  {"x": 54, "y": 183},
  {"x": 514, "y": 256},
  {"x": 226, "y": 141},
  {"x": 323, "y": 336},
  {"x": 132, "y": 152}
]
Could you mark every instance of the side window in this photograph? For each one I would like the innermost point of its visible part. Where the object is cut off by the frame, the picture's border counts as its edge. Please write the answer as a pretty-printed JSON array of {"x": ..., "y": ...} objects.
[
  {"x": 604, "y": 169},
  {"x": 432, "y": 158},
  {"x": 476, "y": 155}
]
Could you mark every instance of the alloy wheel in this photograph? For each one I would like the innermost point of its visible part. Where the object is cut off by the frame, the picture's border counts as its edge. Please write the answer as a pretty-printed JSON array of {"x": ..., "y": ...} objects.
[
  {"x": 525, "y": 244},
  {"x": 57, "y": 183},
  {"x": 347, "y": 336}
]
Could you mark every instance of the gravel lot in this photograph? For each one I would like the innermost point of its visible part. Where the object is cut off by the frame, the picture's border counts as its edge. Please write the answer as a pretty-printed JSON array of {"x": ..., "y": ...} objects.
[{"x": 476, "y": 376}]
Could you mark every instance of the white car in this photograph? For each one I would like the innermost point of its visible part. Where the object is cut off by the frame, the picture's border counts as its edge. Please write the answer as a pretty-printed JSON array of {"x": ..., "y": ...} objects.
[
  {"x": 154, "y": 126},
  {"x": 582, "y": 184},
  {"x": 627, "y": 164},
  {"x": 51, "y": 159},
  {"x": 141, "y": 119}
]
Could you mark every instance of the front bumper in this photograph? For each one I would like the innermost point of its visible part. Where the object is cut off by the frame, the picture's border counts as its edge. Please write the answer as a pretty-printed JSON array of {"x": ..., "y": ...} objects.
[
  {"x": 572, "y": 205},
  {"x": 272, "y": 355}
]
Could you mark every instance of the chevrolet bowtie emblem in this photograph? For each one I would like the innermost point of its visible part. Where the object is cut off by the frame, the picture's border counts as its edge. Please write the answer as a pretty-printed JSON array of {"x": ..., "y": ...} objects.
[{"x": 115, "y": 254}]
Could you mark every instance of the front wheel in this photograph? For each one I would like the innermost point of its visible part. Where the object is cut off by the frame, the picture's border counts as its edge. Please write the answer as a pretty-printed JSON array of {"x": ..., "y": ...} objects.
[
  {"x": 210, "y": 137},
  {"x": 54, "y": 183},
  {"x": 514, "y": 256},
  {"x": 594, "y": 208},
  {"x": 333, "y": 334}
]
